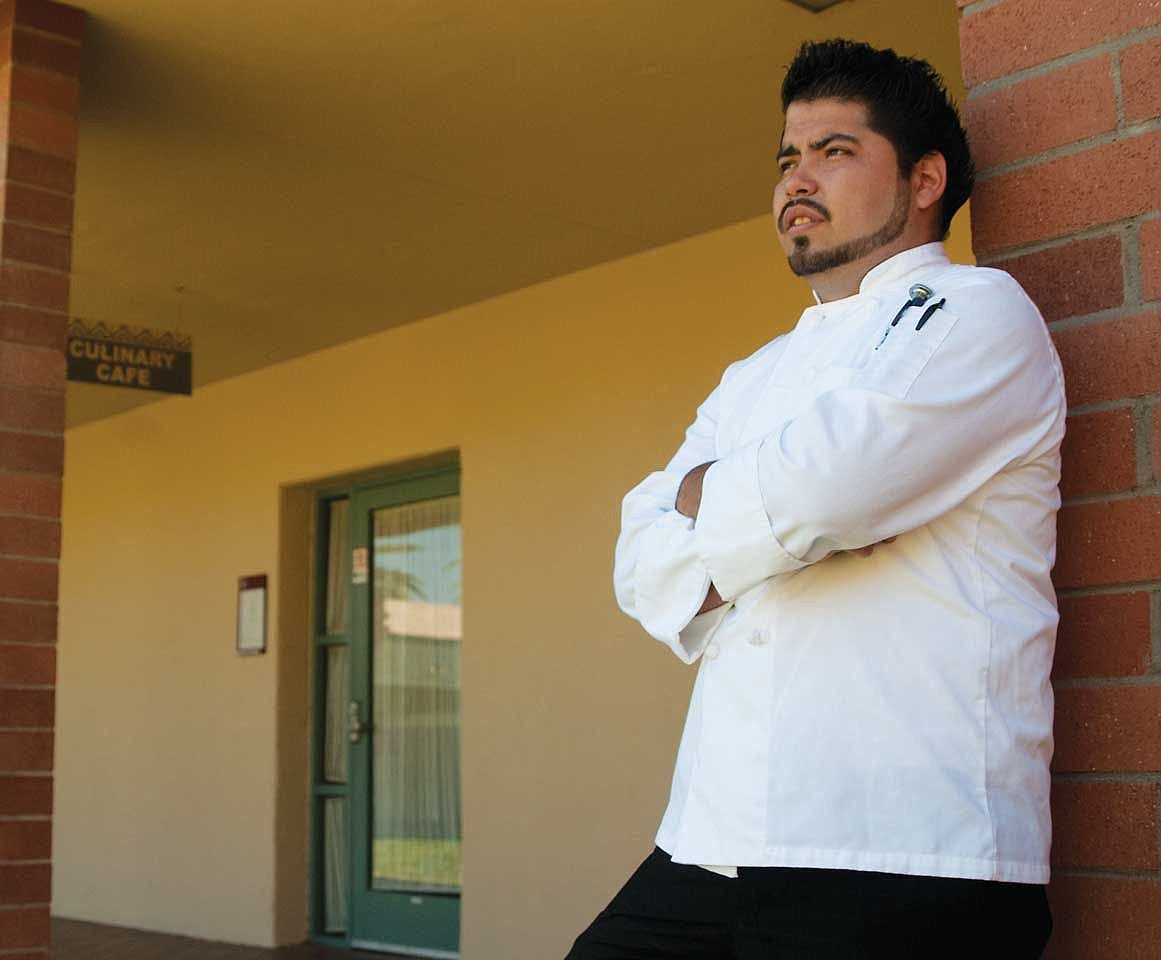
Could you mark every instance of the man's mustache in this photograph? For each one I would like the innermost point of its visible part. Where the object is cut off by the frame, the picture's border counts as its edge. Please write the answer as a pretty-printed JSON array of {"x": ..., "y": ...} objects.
[{"x": 804, "y": 202}]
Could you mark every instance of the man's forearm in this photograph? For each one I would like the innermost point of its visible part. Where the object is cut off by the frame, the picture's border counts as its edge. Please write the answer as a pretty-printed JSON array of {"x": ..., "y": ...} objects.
[{"x": 688, "y": 503}]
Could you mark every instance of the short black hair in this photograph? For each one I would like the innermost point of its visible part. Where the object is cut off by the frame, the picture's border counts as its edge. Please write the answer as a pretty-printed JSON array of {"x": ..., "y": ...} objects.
[{"x": 906, "y": 99}]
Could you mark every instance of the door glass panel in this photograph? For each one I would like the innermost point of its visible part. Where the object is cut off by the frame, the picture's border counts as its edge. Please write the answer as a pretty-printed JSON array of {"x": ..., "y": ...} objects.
[
  {"x": 416, "y": 633},
  {"x": 335, "y": 864},
  {"x": 338, "y": 565},
  {"x": 338, "y": 696}
]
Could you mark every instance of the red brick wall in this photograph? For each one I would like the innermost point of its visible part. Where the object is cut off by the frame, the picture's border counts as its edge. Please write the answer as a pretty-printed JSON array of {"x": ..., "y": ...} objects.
[
  {"x": 39, "y": 70},
  {"x": 1064, "y": 112}
]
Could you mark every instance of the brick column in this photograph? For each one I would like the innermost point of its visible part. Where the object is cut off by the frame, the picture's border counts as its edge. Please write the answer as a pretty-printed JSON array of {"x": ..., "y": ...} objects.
[
  {"x": 39, "y": 69},
  {"x": 1063, "y": 108}
]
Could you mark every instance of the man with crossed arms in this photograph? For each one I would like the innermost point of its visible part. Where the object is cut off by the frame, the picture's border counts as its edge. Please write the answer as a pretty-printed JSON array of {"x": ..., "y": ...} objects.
[{"x": 855, "y": 538}]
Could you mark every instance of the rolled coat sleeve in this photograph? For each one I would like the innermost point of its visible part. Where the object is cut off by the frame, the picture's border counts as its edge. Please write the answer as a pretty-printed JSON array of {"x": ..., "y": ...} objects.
[
  {"x": 658, "y": 577},
  {"x": 916, "y": 431}
]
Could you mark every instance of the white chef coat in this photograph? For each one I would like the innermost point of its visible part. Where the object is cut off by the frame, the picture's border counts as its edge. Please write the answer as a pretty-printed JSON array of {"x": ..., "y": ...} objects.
[{"x": 890, "y": 713}]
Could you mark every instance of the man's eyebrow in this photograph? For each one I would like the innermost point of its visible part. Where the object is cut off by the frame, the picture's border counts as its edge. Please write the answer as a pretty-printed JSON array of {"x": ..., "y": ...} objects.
[{"x": 790, "y": 150}]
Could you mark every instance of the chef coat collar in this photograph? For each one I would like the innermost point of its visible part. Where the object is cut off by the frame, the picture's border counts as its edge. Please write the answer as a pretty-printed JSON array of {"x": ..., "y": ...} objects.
[{"x": 895, "y": 268}]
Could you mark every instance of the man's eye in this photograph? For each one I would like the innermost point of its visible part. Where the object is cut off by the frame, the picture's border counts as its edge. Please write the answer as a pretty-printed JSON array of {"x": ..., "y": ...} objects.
[
  {"x": 836, "y": 151},
  {"x": 785, "y": 167}
]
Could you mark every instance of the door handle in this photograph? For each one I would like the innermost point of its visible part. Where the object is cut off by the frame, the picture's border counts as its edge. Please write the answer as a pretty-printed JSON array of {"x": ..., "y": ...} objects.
[{"x": 355, "y": 725}]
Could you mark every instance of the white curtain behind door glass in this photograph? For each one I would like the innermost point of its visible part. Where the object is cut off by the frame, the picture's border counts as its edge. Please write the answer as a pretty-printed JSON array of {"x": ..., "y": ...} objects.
[
  {"x": 338, "y": 565},
  {"x": 416, "y": 696}
]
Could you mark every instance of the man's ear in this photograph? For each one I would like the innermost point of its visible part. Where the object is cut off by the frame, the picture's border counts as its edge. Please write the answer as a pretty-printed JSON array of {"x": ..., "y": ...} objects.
[{"x": 929, "y": 180}]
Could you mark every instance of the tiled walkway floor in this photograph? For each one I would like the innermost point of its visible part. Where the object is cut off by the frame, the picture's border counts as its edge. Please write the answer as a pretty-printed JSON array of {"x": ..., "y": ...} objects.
[{"x": 75, "y": 940}]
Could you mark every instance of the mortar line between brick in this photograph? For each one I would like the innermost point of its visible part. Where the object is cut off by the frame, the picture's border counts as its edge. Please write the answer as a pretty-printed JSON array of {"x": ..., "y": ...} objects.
[
  {"x": 52, "y": 434},
  {"x": 63, "y": 38},
  {"x": 979, "y": 6},
  {"x": 1100, "y": 316},
  {"x": 9, "y": 515},
  {"x": 1143, "y": 427},
  {"x": 1118, "y": 94},
  {"x": 1148, "y": 490},
  {"x": 1078, "y": 776},
  {"x": 1103, "y": 589},
  {"x": 1102, "y": 874},
  {"x": 1123, "y": 404},
  {"x": 1071, "y": 149},
  {"x": 1113, "y": 46},
  {"x": 1100, "y": 683},
  {"x": 1131, "y": 264}
]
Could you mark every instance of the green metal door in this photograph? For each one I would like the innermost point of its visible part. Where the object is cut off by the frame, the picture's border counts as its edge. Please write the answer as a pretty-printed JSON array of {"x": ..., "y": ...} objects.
[{"x": 403, "y": 717}]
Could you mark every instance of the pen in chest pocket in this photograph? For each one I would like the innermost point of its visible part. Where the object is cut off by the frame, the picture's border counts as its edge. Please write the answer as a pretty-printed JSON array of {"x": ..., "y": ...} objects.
[{"x": 918, "y": 295}]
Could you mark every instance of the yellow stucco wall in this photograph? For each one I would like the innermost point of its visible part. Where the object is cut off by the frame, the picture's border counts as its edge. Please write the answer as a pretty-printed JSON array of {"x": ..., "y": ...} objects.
[{"x": 181, "y": 784}]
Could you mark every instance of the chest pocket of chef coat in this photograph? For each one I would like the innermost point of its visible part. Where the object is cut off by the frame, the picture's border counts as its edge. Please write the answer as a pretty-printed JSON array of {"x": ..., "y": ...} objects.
[{"x": 887, "y": 365}]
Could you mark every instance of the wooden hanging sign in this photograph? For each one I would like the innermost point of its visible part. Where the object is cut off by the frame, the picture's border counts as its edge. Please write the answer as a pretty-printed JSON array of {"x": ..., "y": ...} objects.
[{"x": 123, "y": 356}]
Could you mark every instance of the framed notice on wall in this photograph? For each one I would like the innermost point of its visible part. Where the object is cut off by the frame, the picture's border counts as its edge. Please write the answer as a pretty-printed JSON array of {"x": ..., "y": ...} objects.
[{"x": 252, "y": 614}]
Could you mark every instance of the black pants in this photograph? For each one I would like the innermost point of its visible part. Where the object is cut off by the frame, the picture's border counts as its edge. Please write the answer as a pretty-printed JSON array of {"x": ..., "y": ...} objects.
[{"x": 774, "y": 913}]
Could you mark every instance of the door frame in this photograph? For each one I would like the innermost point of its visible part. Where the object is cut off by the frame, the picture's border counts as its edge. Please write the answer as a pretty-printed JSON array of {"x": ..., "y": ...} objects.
[{"x": 422, "y": 483}]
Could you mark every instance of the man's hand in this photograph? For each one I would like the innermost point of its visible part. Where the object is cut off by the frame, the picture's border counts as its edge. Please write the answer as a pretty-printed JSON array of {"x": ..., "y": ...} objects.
[
  {"x": 860, "y": 551},
  {"x": 712, "y": 600},
  {"x": 689, "y": 493}
]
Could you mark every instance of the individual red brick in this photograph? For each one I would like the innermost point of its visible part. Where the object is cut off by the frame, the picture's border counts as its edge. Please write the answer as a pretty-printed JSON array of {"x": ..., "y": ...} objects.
[
  {"x": 25, "y": 840},
  {"x": 1155, "y": 413},
  {"x": 25, "y": 796},
  {"x": 44, "y": 130},
  {"x": 1106, "y": 635},
  {"x": 28, "y": 579},
  {"x": 1110, "y": 542},
  {"x": 31, "y": 495},
  {"x": 1099, "y": 453},
  {"x": 35, "y": 169},
  {"x": 1151, "y": 259},
  {"x": 40, "y": 247},
  {"x": 1108, "y": 729},
  {"x": 54, "y": 54},
  {"x": 40, "y": 208},
  {"x": 25, "y": 751},
  {"x": 34, "y": 286},
  {"x": 31, "y": 452},
  {"x": 25, "y": 366},
  {"x": 49, "y": 91},
  {"x": 28, "y": 927},
  {"x": 25, "y": 883},
  {"x": 1058, "y": 197},
  {"x": 1074, "y": 279},
  {"x": 1110, "y": 825},
  {"x": 1141, "y": 80},
  {"x": 27, "y": 663},
  {"x": 25, "y": 623},
  {"x": 1111, "y": 360},
  {"x": 1024, "y": 119},
  {"x": 42, "y": 954},
  {"x": 37, "y": 327},
  {"x": 1011, "y": 36},
  {"x": 26, "y": 707},
  {"x": 46, "y": 16},
  {"x": 24, "y": 409},
  {"x": 1104, "y": 918},
  {"x": 29, "y": 537}
]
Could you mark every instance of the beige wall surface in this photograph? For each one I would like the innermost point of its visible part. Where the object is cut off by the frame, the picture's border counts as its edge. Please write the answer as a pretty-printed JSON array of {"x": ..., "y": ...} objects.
[{"x": 559, "y": 397}]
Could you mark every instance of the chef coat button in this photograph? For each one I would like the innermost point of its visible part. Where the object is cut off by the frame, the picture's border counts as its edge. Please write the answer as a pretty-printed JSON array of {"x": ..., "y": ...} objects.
[
  {"x": 758, "y": 638},
  {"x": 712, "y": 651}
]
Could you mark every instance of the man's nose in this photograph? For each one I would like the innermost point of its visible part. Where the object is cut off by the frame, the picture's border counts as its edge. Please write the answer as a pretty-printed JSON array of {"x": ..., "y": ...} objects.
[{"x": 799, "y": 182}]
